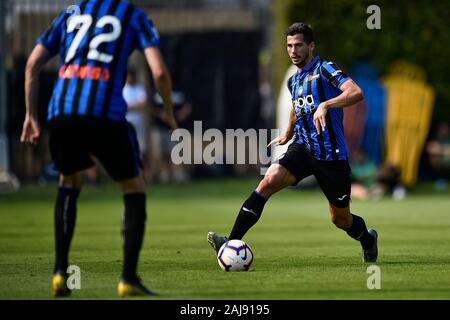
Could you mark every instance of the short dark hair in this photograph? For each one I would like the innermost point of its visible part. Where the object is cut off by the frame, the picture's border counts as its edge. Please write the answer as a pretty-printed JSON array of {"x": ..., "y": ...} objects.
[{"x": 301, "y": 28}]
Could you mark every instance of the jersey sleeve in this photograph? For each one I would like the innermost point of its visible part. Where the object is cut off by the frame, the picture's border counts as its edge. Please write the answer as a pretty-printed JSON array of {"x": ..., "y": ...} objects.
[
  {"x": 147, "y": 35},
  {"x": 333, "y": 74},
  {"x": 51, "y": 39}
]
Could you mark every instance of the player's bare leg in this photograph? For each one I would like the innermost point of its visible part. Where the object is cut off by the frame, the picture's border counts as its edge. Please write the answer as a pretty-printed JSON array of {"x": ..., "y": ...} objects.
[
  {"x": 133, "y": 185},
  {"x": 276, "y": 179},
  {"x": 341, "y": 217},
  {"x": 65, "y": 218},
  {"x": 133, "y": 229},
  {"x": 356, "y": 228}
]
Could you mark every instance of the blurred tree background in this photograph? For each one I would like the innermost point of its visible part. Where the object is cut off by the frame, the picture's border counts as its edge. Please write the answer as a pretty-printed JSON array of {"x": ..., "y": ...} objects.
[{"x": 415, "y": 31}]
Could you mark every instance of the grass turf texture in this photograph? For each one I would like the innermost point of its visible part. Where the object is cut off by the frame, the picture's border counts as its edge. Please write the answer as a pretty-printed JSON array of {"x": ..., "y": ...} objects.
[{"x": 299, "y": 254}]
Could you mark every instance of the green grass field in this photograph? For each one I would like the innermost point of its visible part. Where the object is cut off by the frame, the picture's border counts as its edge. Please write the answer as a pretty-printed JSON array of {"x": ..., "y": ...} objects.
[{"x": 299, "y": 254}]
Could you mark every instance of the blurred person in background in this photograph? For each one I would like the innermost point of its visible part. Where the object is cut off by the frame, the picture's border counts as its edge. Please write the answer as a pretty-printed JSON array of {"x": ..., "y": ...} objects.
[
  {"x": 135, "y": 96},
  {"x": 372, "y": 182},
  {"x": 364, "y": 175},
  {"x": 439, "y": 154},
  {"x": 389, "y": 182},
  {"x": 166, "y": 170}
]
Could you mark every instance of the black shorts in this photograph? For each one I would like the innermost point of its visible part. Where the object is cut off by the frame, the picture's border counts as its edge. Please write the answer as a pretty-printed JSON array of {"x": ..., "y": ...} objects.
[
  {"x": 74, "y": 139},
  {"x": 332, "y": 176}
]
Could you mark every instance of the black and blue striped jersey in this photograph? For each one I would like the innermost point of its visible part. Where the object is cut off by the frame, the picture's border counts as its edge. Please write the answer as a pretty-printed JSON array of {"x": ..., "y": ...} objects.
[
  {"x": 317, "y": 82},
  {"x": 94, "y": 40}
]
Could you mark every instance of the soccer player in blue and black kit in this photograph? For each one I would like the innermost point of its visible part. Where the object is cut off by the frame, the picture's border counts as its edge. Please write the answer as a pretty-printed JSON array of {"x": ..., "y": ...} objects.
[
  {"x": 319, "y": 91},
  {"x": 86, "y": 117}
]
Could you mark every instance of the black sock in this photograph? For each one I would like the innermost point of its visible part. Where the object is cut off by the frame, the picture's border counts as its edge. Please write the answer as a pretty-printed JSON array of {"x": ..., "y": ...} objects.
[
  {"x": 249, "y": 214},
  {"x": 358, "y": 231},
  {"x": 65, "y": 217},
  {"x": 133, "y": 228}
]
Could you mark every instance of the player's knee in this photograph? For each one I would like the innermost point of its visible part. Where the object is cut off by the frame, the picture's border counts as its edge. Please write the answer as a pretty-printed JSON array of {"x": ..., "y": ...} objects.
[
  {"x": 268, "y": 185},
  {"x": 133, "y": 188},
  {"x": 133, "y": 185},
  {"x": 70, "y": 181}
]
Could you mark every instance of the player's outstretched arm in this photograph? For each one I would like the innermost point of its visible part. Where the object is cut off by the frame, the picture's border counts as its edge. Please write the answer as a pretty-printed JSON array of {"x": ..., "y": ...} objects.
[
  {"x": 38, "y": 58},
  {"x": 163, "y": 82},
  {"x": 287, "y": 135},
  {"x": 351, "y": 94}
]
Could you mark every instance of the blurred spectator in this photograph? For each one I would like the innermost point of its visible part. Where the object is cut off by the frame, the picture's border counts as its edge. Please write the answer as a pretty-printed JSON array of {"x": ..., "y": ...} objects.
[
  {"x": 371, "y": 115},
  {"x": 389, "y": 181},
  {"x": 48, "y": 174},
  {"x": 354, "y": 124},
  {"x": 8, "y": 181},
  {"x": 136, "y": 99},
  {"x": 439, "y": 154},
  {"x": 364, "y": 175},
  {"x": 370, "y": 182},
  {"x": 165, "y": 168}
]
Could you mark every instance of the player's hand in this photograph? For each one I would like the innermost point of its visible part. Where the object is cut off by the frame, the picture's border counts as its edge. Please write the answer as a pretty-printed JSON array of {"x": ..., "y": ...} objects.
[
  {"x": 30, "y": 131},
  {"x": 279, "y": 141},
  {"x": 319, "y": 118},
  {"x": 169, "y": 119}
]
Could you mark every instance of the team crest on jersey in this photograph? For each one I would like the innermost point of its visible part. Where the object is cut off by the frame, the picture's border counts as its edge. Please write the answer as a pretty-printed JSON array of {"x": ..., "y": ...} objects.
[{"x": 311, "y": 78}]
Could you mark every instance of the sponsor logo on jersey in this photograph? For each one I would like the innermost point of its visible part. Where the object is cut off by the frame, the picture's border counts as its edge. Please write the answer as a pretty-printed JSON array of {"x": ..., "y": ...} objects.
[{"x": 84, "y": 72}]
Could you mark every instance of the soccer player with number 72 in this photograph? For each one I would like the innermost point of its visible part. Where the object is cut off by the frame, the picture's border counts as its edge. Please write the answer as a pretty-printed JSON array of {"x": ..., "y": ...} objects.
[{"x": 86, "y": 118}]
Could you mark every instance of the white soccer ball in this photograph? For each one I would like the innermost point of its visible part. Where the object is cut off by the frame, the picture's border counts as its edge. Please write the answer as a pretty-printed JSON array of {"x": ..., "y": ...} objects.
[{"x": 235, "y": 255}]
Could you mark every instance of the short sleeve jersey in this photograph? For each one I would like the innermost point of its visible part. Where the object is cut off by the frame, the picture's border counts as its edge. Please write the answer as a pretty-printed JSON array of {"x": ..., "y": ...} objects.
[{"x": 317, "y": 82}]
